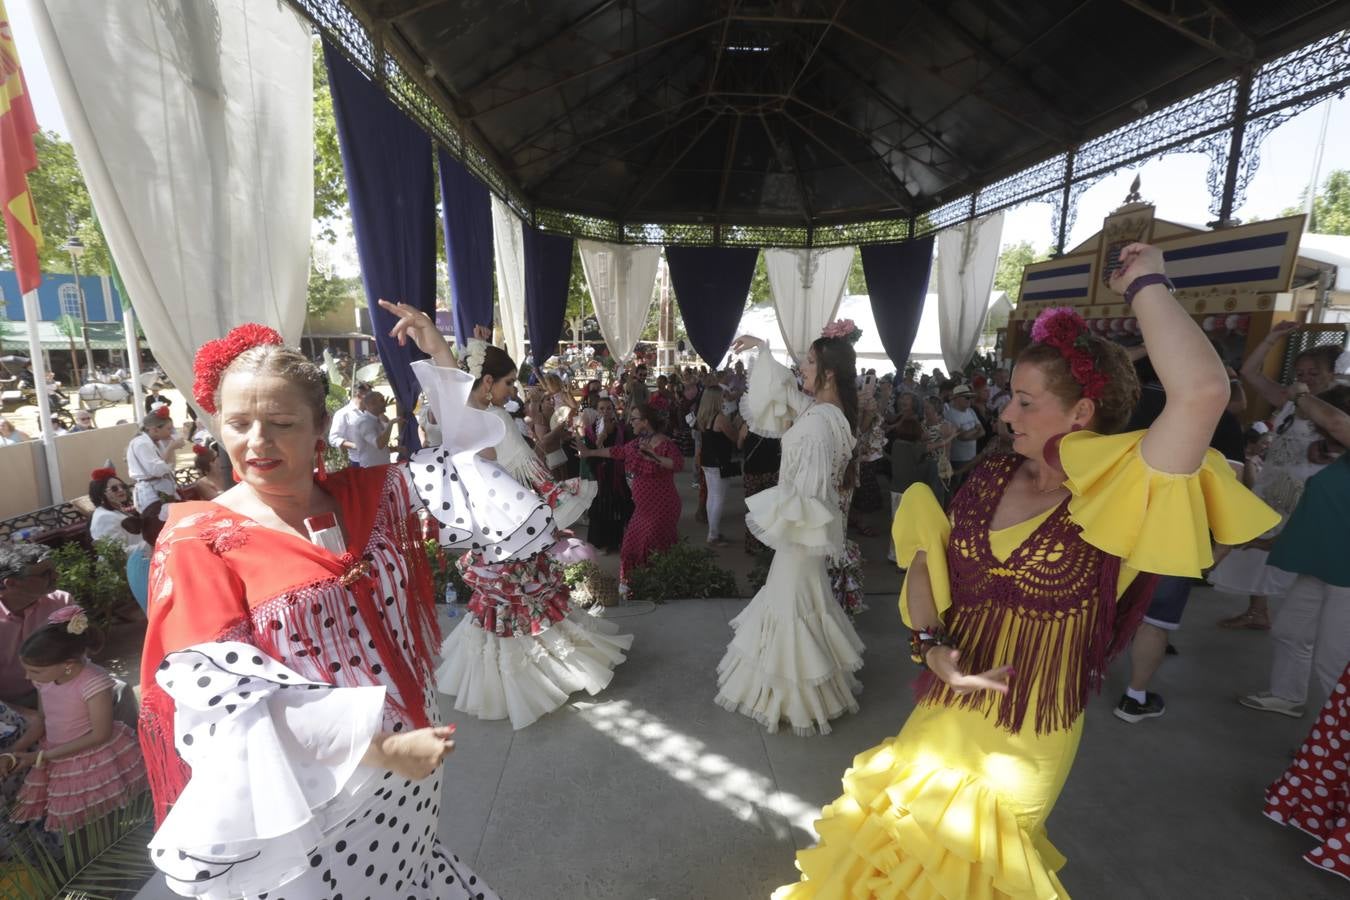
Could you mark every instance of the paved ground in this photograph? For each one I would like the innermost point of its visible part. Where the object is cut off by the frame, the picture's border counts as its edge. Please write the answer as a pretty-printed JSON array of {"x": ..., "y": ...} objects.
[{"x": 652, "y": 791}]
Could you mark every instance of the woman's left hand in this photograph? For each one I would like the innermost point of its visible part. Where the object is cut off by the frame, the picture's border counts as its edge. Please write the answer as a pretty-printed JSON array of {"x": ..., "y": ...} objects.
[
  {"x": 414, "y": 323},
  {"x": 1135, "y": 260}
]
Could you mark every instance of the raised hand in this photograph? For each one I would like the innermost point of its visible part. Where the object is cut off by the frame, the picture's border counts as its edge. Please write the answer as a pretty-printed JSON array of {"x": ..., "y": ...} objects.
[
  {"x": 747, "y": 342},
  {"x": 415, "y": 324},
  {"x": 1135, "y": 259},
  {"x": 482, "y": 333}
]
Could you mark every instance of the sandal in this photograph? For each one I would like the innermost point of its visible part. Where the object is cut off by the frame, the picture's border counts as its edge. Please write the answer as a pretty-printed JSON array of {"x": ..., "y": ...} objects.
[{"x": 1249, "y": 621}]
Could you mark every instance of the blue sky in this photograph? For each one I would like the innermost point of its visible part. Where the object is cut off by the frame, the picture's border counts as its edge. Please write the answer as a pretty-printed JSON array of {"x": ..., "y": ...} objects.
[{"x": 1176, "y": 184}]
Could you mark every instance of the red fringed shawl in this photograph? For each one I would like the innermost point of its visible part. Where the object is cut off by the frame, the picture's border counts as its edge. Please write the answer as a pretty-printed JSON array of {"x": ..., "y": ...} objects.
[
  {"x": 1050, "y": 610},
  {"x": 217, "y": 575}
]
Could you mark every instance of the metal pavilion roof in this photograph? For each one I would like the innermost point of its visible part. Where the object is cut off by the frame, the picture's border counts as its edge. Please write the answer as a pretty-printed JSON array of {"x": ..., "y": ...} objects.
[{"x": 833, "y": 121}]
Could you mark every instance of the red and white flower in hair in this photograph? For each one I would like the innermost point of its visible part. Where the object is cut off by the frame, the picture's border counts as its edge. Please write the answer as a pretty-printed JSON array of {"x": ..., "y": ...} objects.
[{"x": 215, "y": 357}]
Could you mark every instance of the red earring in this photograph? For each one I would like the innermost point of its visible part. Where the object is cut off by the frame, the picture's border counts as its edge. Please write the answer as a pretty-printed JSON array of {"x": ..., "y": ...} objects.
[
  {"x": 234, "y": 473},
  {"x": 320, "y": 472}
]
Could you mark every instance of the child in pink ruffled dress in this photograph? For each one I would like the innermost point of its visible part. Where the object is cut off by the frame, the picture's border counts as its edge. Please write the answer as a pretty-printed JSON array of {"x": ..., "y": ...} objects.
[{"x": 87, "y": 764}]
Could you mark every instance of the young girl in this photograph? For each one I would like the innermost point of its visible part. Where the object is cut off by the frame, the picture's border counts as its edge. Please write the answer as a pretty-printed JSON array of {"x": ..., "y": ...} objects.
[{"x": 86, "y": 764}]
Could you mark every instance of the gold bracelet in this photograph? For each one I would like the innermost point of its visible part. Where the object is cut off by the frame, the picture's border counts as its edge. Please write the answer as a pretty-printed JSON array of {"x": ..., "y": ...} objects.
[
  {"x": 13, "y": 760},
  {"x": 41, "y": 758}
]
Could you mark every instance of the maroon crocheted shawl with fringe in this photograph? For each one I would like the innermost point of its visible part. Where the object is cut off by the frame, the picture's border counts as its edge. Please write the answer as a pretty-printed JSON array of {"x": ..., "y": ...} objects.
[{"x": 1049, "y": 610}]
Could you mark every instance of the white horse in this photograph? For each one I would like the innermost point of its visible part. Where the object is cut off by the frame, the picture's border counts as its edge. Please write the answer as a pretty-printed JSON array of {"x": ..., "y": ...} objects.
[{"x": 97, "y": 395}]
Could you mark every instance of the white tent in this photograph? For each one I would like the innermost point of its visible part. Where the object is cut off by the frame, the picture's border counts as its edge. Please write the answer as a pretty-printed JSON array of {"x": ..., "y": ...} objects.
[{"x": 761, "y": 321}]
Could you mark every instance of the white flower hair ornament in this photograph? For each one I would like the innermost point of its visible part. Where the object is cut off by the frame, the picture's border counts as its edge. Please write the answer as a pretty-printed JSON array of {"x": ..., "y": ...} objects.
[
  {"x": 474, "y": 355},
  {"x": 73, "y": 617}
]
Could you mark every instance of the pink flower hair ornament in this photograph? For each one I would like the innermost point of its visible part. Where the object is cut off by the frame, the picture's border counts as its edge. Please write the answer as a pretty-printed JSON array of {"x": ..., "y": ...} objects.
[
  {"x": 1064, "y": 329},
  {"x": 844, "y": 329},
  {"x": 72, "y": 616}
]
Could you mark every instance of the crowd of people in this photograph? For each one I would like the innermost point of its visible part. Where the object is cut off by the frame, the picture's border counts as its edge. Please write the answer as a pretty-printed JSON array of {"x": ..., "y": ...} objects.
[{"x": 1047, "y": 519}]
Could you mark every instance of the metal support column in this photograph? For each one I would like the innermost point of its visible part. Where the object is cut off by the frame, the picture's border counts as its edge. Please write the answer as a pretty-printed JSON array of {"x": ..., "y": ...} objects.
[{"x": 1230, "y": 178}]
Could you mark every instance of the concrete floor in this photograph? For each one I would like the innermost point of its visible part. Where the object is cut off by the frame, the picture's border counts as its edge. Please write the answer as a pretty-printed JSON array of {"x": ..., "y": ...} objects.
[{"x": 652, "y": 791}]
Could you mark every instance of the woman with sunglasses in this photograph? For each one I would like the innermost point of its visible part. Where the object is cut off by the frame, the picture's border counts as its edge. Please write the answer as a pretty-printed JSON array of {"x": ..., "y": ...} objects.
[{"x": 115, "y": 518}]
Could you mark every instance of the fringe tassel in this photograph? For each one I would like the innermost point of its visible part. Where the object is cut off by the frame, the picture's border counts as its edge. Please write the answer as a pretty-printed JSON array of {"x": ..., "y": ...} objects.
[{"x": 168, "y": 774}]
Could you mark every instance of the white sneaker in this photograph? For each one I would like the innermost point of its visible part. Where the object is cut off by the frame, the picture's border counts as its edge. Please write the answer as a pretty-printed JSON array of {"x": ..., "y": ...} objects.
[{"x": 1268, "y": 702}]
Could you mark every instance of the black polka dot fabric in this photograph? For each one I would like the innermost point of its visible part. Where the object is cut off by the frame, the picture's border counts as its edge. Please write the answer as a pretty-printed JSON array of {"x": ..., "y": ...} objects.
[{"x": 280, "y": 754}]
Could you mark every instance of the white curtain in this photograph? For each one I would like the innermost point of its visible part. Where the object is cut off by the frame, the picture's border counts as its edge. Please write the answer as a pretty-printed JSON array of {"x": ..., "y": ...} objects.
[
  {"x": 807, "y": 286},
  {"x": 193, "y": 126},
  {"x": 967, "y": 258},
  {"x": 508, "y": 244},
  {"x": 621, "y": 278}
]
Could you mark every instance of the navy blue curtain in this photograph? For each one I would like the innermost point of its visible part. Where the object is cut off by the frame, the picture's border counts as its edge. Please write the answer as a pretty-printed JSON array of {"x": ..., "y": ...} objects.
[
  {"x": 467, "y": 216},
  {"x": 711, "y": 284},
  {"x": 897, "y": 281},
  {"x": 548, "y": 264},
  {"x": 387, "y": 161}
]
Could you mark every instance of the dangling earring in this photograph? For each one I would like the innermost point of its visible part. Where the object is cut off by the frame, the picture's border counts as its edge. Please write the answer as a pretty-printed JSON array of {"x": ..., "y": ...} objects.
[
  {"x": 234, "y": 473},
  {"x": 320, "y": 473}
]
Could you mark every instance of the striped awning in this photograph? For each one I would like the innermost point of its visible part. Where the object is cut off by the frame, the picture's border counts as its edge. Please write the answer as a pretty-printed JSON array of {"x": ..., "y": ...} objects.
[{"x": 102, "y": 336}]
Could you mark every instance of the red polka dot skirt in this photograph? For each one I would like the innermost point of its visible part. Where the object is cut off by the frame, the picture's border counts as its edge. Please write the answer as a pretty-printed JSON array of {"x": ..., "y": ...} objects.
[{"x": 1313, "y": 795}]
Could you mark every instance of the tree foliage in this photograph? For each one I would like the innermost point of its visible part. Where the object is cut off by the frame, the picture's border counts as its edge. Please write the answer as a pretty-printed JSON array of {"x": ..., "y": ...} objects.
[
  {"x": 327, "y": 291},
  {"x": 1331, "y": 205},
  {"x": 330, "y": 183},
  {"x": 63, "y": 208},
  {"x": 1011, "y": 262}
]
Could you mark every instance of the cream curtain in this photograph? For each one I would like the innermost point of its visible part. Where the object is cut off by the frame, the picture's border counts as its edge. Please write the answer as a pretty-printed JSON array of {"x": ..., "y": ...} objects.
[
  {"x": 508, "y": 244},
  {"x": 967, "y": 258},
  {"x": 621, "y": 278},
  {"x": 192, "y": 123},
  {"x": 807, "y": 286}
]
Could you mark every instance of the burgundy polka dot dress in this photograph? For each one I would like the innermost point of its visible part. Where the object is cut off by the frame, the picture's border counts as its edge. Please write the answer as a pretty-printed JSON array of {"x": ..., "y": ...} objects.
[
  {"x": 656, "y": 503},
  {"x": 1313, "y": 795}
]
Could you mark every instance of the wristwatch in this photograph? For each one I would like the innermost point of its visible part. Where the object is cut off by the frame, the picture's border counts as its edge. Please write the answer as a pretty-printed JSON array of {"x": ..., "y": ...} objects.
[{"x": 1144, "y": 281}]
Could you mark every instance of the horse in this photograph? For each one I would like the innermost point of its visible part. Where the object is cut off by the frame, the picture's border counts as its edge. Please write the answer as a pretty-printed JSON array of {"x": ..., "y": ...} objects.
[{"x": 97, "y": 395}]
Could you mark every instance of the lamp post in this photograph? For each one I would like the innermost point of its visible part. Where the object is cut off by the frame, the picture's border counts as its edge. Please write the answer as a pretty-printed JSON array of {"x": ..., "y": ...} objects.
[{"x": 75, "y": 247}]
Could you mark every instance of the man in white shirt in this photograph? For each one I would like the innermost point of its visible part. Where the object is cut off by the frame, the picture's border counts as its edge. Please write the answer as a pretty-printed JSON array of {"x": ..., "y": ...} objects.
[
  {"x": 969, "y": 430},
  {"x": 370, "y": 433},
  {"x": 340, "y": 433}
]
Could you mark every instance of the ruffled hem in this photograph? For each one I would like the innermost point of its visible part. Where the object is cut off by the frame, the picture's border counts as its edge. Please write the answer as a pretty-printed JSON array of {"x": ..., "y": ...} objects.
[
  {"x": 1156, "y": 521},
  {"x": 792, "y": 658},
  {"x": 785, "y": 519},
  {"x": 526, "y": 677},
  {"x": 772, "y": 400},
  {"x": 925, "y": 833},
  {"x": 571, "y": 501},
  {"x": 73, "y": 792}
]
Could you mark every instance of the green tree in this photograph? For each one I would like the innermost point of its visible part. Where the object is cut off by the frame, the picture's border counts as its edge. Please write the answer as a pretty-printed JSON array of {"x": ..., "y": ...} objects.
[
  {"x": 857, "y": 282},
  {"x": 1331, "y": 205},
  {"x": 760, "y": 291},
  {"x": 327, "y": 292},
  {"x": 1011, "y": 261},
  {"x": 63, "y": 209},
  {"x": 330, "y": 183},
  {"x": 579, "y": 306}
]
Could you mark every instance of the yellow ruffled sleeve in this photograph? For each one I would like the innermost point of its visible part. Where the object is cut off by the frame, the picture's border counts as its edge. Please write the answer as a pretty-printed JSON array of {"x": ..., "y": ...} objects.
[
  {"x": 1156, "y": 521},
  {"x": 920, "y": 524}
]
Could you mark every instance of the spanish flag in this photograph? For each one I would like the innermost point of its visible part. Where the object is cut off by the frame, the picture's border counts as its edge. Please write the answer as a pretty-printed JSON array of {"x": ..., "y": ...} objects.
[{"x": 18, "y": 157}]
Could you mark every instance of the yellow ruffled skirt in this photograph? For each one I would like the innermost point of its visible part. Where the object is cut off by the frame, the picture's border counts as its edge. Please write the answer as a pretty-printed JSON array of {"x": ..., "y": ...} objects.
[{"x": 952, "y": 807}]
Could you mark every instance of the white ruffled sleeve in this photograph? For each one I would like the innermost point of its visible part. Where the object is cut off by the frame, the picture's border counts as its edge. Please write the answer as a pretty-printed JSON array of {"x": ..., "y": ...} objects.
[
  {"x": 515, "y": 455},
  {"x": 772, "y": 401},
  {"x": 276, "y": 763},
  {"x": 801, "y": 513}
]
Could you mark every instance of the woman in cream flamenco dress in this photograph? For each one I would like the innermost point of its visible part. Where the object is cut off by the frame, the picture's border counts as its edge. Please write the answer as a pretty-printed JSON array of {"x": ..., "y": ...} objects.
[
  {"x": 794, "y": 652},
  {"x": 522, "y": 649},
  {"x": 1020, "y": 599}
]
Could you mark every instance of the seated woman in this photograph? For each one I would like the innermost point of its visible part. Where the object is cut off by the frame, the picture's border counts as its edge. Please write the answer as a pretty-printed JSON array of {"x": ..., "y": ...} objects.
[
  {"x": 115, "y": 518},
  {"x": 1019, "y": 600}
]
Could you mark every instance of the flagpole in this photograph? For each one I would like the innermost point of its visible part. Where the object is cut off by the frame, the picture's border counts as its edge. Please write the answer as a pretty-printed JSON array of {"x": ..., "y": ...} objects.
[
  {"x": 32, "y": 319},
  {"x": 133, "y": 360}
]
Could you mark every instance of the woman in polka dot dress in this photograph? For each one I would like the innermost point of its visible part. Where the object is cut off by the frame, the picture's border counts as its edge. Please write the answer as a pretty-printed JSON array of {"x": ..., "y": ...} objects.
[
  {"x": 288, "y": 719},
  {"x": 650, "y": 462},
  {"x": 1313, "y": 795},
  {"x": 522, "y": 650}
]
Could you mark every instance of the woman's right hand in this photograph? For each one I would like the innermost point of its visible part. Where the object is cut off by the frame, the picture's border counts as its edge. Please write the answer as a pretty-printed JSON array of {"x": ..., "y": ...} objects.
[
  {"x": 1282, "y": 329},
  {"x": 482, "y": 333},
  {"x": 943, "y": 663},
  {"x": 747, "y": 342},
  {"x": 414, "y": 754}
]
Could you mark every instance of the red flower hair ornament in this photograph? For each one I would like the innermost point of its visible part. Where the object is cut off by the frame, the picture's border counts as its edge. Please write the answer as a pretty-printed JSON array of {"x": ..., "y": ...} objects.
[
  {"x": 103, "y": 474},
  {"x": 215, "y": 357},
  {"x": 1065, "y": 330}
]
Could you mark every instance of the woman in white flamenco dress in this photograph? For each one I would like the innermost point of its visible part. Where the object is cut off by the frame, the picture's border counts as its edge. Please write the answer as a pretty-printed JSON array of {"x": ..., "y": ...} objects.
[
  {"x": 794, "y": 652},
  {"x": 522, "y": 649}
]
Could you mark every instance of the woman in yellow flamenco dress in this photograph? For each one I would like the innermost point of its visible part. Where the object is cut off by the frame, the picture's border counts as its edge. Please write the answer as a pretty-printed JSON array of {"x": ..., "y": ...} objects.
[{"x": 1019, "y": 600}]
